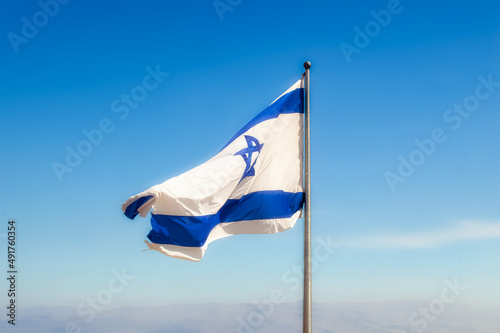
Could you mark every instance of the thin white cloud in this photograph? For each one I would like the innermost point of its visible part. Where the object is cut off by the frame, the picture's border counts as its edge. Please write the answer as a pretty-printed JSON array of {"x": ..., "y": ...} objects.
[{"x": 461, "y": 232}]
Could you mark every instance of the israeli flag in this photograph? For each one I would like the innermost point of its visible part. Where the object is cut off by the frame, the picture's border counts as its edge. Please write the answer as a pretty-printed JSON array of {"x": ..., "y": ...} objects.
[{"x": 252, "y": 186}]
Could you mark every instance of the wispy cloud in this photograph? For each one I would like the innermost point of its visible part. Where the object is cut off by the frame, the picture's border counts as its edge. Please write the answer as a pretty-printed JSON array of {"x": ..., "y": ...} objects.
[{"x": 461, "y": 232}]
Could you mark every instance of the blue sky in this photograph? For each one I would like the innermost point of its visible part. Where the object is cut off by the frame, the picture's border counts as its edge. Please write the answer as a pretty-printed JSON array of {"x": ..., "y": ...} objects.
[{"x": 368, "y": 109}]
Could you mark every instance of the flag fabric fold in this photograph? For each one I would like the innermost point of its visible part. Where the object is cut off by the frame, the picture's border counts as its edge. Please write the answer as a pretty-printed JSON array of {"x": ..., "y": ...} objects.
[{"x": 254, "y": 185}]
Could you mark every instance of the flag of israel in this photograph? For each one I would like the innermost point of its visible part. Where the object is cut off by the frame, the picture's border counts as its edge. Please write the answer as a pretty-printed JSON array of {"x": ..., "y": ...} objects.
[{"x": 252, "y": 186}]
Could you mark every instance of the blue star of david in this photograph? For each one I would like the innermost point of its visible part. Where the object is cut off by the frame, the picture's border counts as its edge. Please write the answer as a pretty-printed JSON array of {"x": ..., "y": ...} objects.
[{"x": 254, "y": 147}]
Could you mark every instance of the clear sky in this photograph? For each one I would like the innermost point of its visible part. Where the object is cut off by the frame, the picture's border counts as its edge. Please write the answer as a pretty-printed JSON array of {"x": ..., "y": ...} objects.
[{"x": 376, "y": 88}]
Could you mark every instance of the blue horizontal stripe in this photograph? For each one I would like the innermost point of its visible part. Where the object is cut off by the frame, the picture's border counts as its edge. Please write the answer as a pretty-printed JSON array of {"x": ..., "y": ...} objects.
[
  {"x": 292, "y": 102},
  {"x": 193, "y": 231},
  {"x": 131, "y": 210}
]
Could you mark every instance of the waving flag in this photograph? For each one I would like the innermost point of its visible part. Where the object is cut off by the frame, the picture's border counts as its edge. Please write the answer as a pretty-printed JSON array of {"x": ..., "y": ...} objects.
[{"x": 252, "y": 186}]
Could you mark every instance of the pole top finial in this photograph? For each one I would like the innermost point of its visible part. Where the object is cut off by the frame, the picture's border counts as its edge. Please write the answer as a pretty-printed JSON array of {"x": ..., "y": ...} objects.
[{"x": 307, "y": 65}]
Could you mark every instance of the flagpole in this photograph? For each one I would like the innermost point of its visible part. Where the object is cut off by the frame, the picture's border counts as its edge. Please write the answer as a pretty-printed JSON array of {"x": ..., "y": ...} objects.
[{"x": 307, "y": 301}]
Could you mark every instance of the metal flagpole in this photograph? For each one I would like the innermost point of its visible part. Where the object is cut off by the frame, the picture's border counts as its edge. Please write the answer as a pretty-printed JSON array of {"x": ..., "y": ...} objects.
[{"x": 307, "y": 302}]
